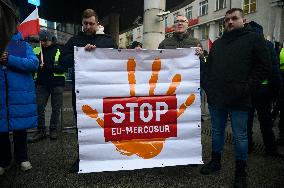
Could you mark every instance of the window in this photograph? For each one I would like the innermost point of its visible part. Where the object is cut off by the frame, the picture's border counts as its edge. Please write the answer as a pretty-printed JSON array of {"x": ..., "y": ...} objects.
[
  {"x": 204, "y": 32},
  {"x": 221, "y": 28},
  {"x": 63, "y": 27},
  {"x": 129, "y": 37},
  {"x": 249, "y": 6},
  {"x": 166, "y": 21},
  {"x": 188, "y": 13},
  {"x": 220, "y": 4},
  {"x": 203, "y": 8},
  {"x": 138, "y": 32}
]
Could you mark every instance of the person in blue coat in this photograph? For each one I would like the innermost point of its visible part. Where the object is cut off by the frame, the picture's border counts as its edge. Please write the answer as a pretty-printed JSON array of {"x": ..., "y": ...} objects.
[{"x": 18, "y": 108}]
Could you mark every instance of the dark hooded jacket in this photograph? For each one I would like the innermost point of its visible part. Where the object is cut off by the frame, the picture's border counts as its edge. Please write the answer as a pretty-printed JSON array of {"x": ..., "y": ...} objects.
[
  {"x": 274, "y": 79},
  {"x": 81, "y": 40},
  {"x": 238, "y": 62}
]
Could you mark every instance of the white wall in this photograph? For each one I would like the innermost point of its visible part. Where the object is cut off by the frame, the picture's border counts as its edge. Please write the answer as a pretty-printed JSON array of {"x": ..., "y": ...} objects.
[
  {"x": 122, "y": 41},
  {"x": 138, "y": 35}
]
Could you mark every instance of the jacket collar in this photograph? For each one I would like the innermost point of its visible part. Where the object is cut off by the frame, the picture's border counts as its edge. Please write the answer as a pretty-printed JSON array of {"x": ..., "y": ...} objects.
[
  {"x": 181, "y": 36},
  {"x": 236, "y": 33}
]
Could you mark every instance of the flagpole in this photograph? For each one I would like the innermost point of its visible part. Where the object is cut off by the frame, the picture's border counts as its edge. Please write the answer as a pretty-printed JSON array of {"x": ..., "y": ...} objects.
[{"x": 41, "y": 55}]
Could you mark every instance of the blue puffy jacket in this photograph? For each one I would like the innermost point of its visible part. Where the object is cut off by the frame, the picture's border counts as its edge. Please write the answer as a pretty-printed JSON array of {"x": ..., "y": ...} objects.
[{"x": 18, "y": 108}]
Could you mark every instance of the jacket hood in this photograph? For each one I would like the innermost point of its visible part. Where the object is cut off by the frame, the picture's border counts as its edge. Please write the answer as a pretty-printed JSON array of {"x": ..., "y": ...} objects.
[
  {"x": 237, "y": 32},
  {"x": 255, "y": 27},
  {"x": 17, "y": 36},
  {"x": 81, "y": 33}
]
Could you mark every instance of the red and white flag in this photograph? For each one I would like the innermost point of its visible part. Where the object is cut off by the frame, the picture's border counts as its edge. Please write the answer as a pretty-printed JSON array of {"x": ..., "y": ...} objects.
[
  {"x": 30, "y": 26},
  {"x": 210, "y": 43}
]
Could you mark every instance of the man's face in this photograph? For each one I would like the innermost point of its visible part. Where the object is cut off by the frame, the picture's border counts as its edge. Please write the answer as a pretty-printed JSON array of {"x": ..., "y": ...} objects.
[
  {"x": 90, "y": 25},
  {"x": 234, "y": 21},
  {"x": 46, "y": 43},
  {"x": 181, "y": 24}
]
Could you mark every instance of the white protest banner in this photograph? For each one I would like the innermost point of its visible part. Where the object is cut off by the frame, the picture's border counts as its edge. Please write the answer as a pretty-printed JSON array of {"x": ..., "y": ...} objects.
[{"x": 137, "y": 109}]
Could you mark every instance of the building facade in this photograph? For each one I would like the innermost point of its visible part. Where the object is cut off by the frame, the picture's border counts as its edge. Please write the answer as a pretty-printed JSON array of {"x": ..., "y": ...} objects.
[
  {"x": 206, "y": 18},
  {"x": 62, "y": 31}
]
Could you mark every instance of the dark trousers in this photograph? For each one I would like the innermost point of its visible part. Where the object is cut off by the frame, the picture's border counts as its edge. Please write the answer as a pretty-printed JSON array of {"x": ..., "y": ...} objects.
[
  {"x": 262, "y": 103},
  {"x": 20, "y": 147},
  {"x": 43, "y": 94},
  {"x": 281, "y": 107}
]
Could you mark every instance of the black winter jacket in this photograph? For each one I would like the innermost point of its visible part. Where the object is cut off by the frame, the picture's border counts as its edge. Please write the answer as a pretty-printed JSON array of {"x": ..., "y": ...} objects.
[
  {"x": 81, "y": 40},
  {"x": 274, "y": 80},
  {"x": 238, "y": 62},
  {"x": 45, "y": 76}
]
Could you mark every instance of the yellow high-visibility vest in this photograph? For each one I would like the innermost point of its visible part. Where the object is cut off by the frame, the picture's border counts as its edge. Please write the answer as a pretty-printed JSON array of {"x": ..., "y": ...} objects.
[
  {"x": 264, "y": 82},
  {"x": 37, "y": 51},
  {"x": 281, "y": 57}
]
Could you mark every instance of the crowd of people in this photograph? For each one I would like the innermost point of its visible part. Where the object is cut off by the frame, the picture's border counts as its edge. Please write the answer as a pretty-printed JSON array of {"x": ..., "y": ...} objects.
[{"x": 240, "y": 75}]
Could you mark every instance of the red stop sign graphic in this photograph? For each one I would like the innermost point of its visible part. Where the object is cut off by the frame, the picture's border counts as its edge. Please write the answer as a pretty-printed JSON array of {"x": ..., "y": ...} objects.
[{"x": 140, "y": 117}]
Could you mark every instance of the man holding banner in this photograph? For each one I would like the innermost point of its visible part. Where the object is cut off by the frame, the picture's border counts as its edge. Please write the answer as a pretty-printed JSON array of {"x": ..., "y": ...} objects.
[
  {"x": 88, "y": 39},
  {"x": 181, "y": 38}
]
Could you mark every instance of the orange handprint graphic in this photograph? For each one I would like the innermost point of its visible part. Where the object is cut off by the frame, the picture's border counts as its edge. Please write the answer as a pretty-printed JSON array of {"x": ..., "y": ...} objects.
[{"x": 140, "y": 125}]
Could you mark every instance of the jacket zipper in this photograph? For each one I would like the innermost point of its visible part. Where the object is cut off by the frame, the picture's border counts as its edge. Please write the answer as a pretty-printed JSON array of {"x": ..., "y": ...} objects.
[{"x": 7, "y": 106}]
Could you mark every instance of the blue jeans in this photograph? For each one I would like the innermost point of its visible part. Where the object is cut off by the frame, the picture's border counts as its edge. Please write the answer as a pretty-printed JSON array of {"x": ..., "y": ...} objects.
[{"x": 239, "y": 126}]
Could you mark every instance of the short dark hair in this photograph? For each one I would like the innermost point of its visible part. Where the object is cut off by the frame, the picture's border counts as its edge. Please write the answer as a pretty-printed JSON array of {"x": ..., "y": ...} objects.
[
  {"x": 89, "y": 13},
  {"x": 136, "y": 44},
  {"x": 234, "y": 10}
]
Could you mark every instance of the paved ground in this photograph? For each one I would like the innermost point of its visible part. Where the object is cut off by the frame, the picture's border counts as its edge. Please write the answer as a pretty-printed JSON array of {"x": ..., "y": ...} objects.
[{"x": 51, "y": 161}]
